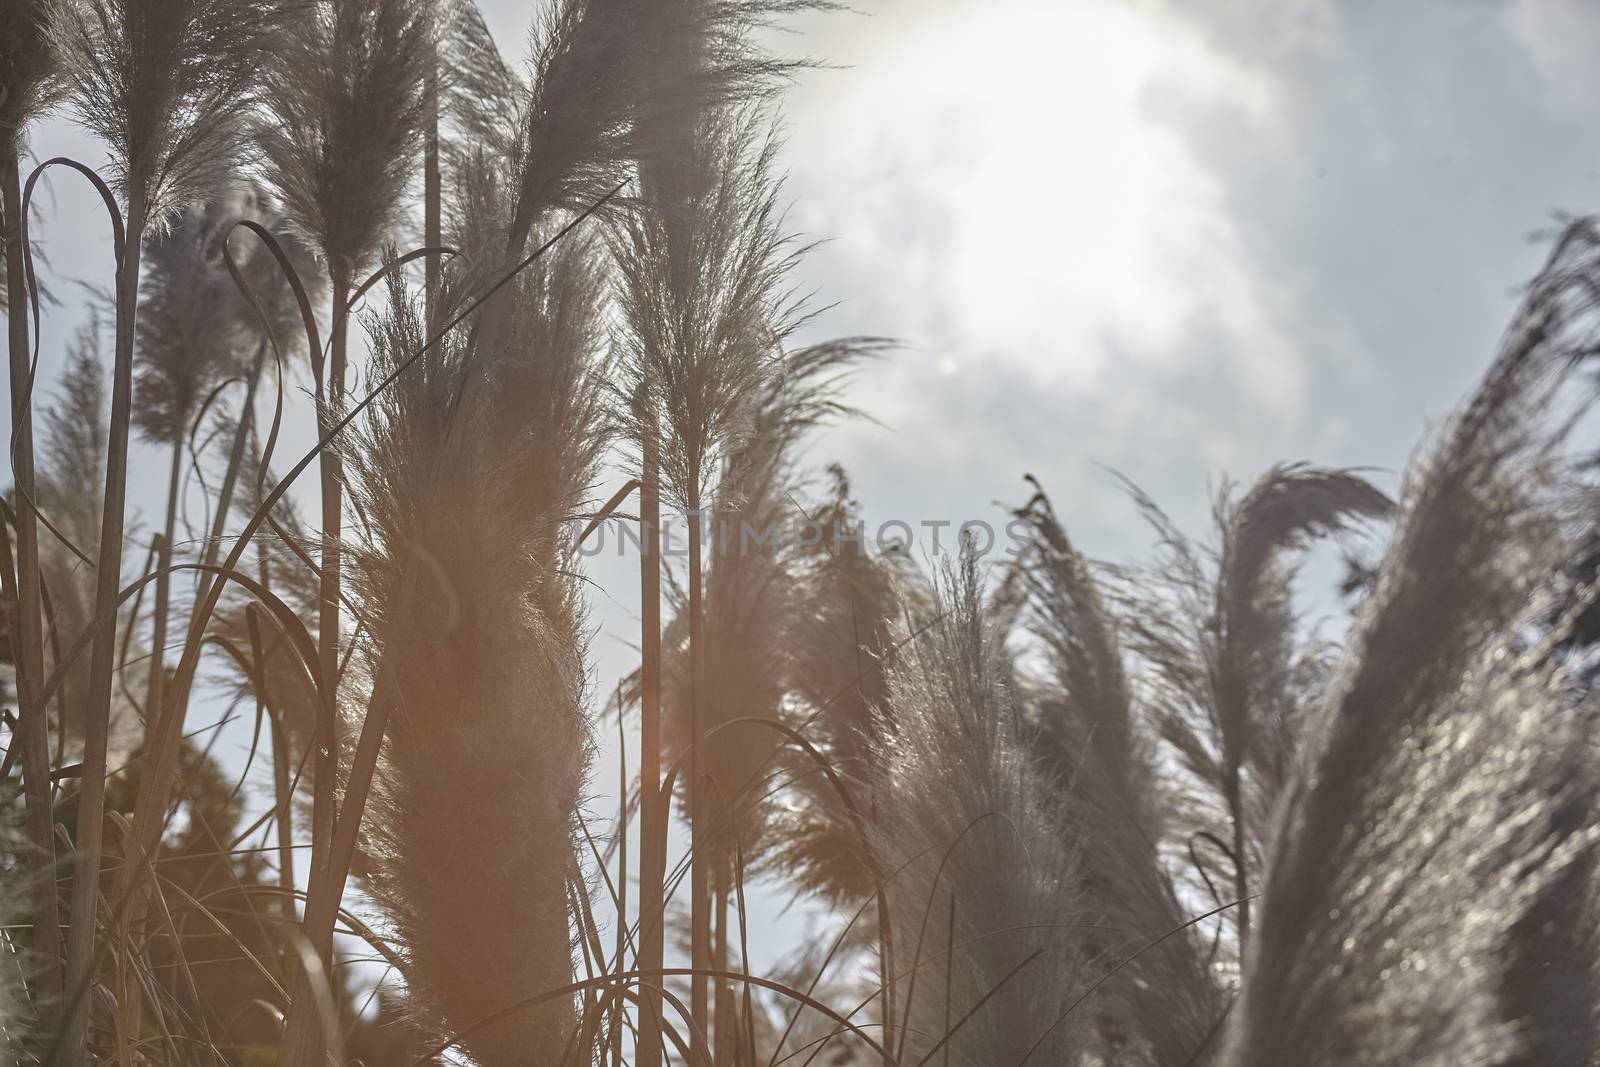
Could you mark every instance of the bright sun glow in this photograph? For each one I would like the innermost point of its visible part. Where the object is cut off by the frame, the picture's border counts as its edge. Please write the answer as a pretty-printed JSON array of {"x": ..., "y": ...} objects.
[{"x": 1051, "y": 112}]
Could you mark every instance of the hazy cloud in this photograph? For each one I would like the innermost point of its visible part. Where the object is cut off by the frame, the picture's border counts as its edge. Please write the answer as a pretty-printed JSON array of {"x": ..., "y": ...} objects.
[
  {"x": 997, "y": 172},
  {"x": 1560, "y": 37}
]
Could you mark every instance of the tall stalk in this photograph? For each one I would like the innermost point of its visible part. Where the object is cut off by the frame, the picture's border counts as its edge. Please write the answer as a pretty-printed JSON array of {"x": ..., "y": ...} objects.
[
  {"x": 652, "y": 803},
  {"x": 347, "y": 98},
  {"x": 102, "y": 661},
  {"x": 167, "y": 84},
  {"x": 723, "y": 1009},
  {"x": 230, "y": 475},
  {"x": 282, "y": 788},
  {"x": 331, "y": 467},
  {"x": 699, "y": 900},
  {"x": 302, "y": 1039},
  {"x": 30, "y": 77},
  {"x": 158, "y": 635},
  {"x": 27, "y": 632},
  {"x": 701, "y": 297}
]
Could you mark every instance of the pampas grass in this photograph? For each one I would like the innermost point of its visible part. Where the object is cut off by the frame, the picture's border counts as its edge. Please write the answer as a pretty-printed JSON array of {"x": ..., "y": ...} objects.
[
  {"x": 193, "y": 327},
  {"x": 1032, "y": 798},
  {"x": 961, "y": 821},
  {"x": 269, "y": 324},
  {"x": 347, "y": 103},
  {"x": 841, "y": 635},
  {"x": 617, "y": 82},
  {"x": 72, "y": 457},
  {"x": 73, "y": 463},
  {"x": 166, "y": 85},
  {"x": 1217, "y": 637},
  {"x": 346, "y": 100},
  {"x": 31, "y": 79},
  {"x": 31, "y": 76},
  {"x": 752, "y": 592},
  {"x": 754, "y": 589},
  {"x": 347, "y": 108},
  {"x": 702, "y": 299},
  {"x": 1099, "y": 757},
  {"x": 478, "y": 635},
  {"x": 1420, "y": 827},
  {"x": 28, "y": 68}
]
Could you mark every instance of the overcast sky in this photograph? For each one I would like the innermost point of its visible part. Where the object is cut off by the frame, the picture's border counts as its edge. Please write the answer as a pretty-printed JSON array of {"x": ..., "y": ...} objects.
[{"x": 1180, "y": 241}]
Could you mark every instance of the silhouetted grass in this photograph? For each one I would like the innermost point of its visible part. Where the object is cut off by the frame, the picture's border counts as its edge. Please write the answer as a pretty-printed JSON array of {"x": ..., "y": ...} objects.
[{"x": 1036, "y": 800}]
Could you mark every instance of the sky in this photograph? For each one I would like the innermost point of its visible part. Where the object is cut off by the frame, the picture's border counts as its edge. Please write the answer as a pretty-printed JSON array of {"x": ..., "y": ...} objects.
[
  {"x": 1182, "y": 242},
  {"x": 1177, "y": 241}
]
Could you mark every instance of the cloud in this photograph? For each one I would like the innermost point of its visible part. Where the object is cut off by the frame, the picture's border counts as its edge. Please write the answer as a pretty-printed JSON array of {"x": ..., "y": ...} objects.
[
  {"x": 1559, "y": 37},
  {"x": 1000, "y": 185}
]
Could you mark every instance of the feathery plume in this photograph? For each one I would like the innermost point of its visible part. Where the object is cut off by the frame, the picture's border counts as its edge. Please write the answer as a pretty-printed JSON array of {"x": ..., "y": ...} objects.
[
  {"x": 1421, "y": 828},
  {"x": 195, "y": 326},
  {"x": 961, "y": 818},
  {"x": 480, "y": 96},
  {"x": 267, "y": 316},
  {"x": 169, "y": 86},
  {"x": 1215, "y": 631},
  {"x": 471, "y": 593},
  {"x": 72, "y": 457},
  {"x": 1101, "y": 765},
  {"x": 72, "y": 464},
  {"x": 703, "y": 297},
  {"x": 29, "y": 71},
  {"x": 346, "y": 103},
  {"x": 753, "y": 588},
  {"x": 618, "y": 82},
  {"x": 193, "y": 323},
  {"x": 841, "y": 635}
]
